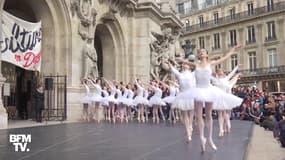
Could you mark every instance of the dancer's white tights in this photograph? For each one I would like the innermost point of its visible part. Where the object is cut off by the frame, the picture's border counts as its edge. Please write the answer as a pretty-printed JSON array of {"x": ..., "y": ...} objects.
[{"x": 209, "y": 122}]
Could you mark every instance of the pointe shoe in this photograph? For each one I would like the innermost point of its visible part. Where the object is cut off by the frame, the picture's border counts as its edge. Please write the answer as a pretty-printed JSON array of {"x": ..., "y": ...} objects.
[
  {"x": 189, "y": 139},
  {"x": 203, "y": 145},
  {"x": 212, "y": 145},
  {"x": 221, "y": 134}
]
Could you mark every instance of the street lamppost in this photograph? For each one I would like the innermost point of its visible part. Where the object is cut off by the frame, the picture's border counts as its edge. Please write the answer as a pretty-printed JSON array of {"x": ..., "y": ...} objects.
[{"x": 3, "y": 112}]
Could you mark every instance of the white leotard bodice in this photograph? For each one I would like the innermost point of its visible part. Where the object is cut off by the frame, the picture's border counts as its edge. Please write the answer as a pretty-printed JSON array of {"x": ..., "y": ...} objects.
[
  {"x": 157, "y": 92},
  {"x": 203, "y": 76},
  {"x": 172, "y": 91},
  {"x": 186, "y": 79},
  {"x": 130, "y": 94},
  {"x": 98, "y": 90}
]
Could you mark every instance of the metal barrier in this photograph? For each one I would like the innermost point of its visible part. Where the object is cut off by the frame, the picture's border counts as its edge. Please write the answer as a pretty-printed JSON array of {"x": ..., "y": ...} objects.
[{"x": 55, "y": 98}]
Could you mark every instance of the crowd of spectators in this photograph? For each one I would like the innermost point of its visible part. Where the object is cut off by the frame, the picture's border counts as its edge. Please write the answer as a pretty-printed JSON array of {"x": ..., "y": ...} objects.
[{"x": 264, "y": 108}]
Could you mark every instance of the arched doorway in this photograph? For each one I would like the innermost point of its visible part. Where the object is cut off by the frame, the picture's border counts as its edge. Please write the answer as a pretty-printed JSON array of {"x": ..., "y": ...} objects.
[
  {"x": 22, "y": 82},
  {"x": 106, "y": 52}
]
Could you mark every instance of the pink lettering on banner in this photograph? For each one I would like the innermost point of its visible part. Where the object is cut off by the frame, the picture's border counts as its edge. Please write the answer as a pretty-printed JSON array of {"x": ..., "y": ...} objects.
[{"x": 31, "y": 58}]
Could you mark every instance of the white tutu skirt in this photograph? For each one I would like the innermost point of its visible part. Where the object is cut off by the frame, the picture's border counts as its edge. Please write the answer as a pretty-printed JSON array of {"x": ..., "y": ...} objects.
[
  {"x": 139, "y": 100},
  {"x": 130, "y": 102},
  {"x": 211, "y": 94},
  {"x": 86, "y": 100},
  {"x": 104, "y": 101},
  {"x": 225, "y": 105},
  {"x": 146, "y": 102},
  {"x": 96, "y": 98},
  {"x": 156, "y": 101},
  {"x": 168, "y": 99},
  {"x": 125, "y": 101},
  {"x": 111, "y": 99},
  {"x": 183, "y": 103}
]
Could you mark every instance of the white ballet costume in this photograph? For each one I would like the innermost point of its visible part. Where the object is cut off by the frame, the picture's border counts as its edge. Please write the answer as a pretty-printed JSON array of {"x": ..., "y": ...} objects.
[
  {"x": 119, "y": 96},
  {"x": 104, "y": 100},
  {"x": 124, "y": 98},
  {"x": 173, "y": 91},
  {"x": 206, "y": 92},
  {"x": 145, "y": 96},
  {"x": 111, "y": 98},
  {"x": 130, "y": 98},
  {"x": 156, "y": 98},
  {"x": 186, "y": 80},
  {"x": 97, "y": 94},
  {"x": 139, "y": 98},
  {"x": 86, "y": 99},
  {"x": 224, "y": 84}
]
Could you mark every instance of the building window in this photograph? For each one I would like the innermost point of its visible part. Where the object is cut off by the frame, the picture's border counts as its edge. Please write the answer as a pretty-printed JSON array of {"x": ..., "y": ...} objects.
[
  {"x": 252, "y": 60},
  {"x": 233, "y": 38},
  {"x": 250, "y": 34},
  {"x": 234, "y": 61},
  {"x": 201, "y": 21},
  {"x": 271, "y": 31},
  {"x": 187, "y": 24},
  {"x": 250, "y": 8},
  {"x": 218, "y": 66},
  {"x": 201, "y": 42},
  {"x": 272, "y": 57},
  {"x": 233, "y": 13},
  {"x": 216, "y": 41},
  {"x": 180, "y": 7},
  {"x": 216, "y": 18},
  {"x": 270, "y": 5}
]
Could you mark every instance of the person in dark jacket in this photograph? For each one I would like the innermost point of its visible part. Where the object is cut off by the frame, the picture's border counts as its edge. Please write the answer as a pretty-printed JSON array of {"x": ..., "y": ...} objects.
[
  {"x": 279, "y": 132},
  {"x": 39, "y": 102}
]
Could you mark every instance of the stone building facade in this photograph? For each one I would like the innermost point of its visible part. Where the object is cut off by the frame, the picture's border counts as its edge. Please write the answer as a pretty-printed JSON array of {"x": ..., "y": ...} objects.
[
  {"x": 257, "y": 25},
  {"x": 120, "y": 31}
]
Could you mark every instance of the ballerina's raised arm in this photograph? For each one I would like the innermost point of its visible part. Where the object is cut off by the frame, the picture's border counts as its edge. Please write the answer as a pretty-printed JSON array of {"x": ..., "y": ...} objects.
[{"x": 228, "y": 55}]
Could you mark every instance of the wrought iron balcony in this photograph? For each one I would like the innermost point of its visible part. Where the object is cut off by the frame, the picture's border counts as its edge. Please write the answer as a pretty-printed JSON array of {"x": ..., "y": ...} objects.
[
  {"x": 277, "y": 7},
  {"x": 270, "y": 38},
  {"x": 266, "y": 71},
  {"x": 249, "y": 42},
  {"x": 214, "y": 48}
]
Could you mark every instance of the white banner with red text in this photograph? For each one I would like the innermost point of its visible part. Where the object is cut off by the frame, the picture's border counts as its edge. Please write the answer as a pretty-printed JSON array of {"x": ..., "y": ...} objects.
[{"x": 21, "y": 42}]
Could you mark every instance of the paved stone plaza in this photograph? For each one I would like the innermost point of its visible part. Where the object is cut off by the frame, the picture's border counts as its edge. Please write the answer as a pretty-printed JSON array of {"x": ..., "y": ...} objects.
[{"x": 123, "y": 142}]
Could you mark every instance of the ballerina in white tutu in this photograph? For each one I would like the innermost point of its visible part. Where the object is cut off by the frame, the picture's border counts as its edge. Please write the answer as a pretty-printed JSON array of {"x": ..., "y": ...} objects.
[
  {"x": 86, "y": 100},
  {"x": 96, "y": 98},
  {"x": 225, "y": 83},
  {"x": 205, "y": 93},
  {"x": 156, "y": 101},
  {"x": 186, "y": 80},
  {"x": 124, "y": 103},
  {"x": 139, "y": 100},
  {"x": 173, "y": 91},
  {"x": 105, "y": 104},
  {"x": 130, "y": 101},
  {"x": 146, "y": 103},
  {"x": 111, "y": 99}
]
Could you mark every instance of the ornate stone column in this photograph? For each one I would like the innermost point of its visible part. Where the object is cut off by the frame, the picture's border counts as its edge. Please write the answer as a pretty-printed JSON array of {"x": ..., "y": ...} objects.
[{"x": 3, "y": 112}]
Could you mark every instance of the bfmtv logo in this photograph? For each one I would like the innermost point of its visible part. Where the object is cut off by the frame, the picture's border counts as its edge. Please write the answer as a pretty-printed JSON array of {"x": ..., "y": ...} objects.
[{"x": 20, "y": 142}]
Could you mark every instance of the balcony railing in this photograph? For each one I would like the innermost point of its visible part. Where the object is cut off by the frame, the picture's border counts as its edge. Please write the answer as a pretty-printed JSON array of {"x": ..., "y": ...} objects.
[
  {"x": 280, "y": 6},
  {"x": 214, "y": 48},
  {"x": 271, "y": 38},
  {"x": 263, "y": 71},
  {"x": 249, "y": 42}
]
